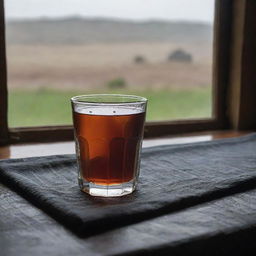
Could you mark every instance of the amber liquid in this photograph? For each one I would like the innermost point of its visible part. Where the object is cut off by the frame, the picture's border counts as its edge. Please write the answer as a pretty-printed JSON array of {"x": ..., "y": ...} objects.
[{"x": 108, "y": 146}]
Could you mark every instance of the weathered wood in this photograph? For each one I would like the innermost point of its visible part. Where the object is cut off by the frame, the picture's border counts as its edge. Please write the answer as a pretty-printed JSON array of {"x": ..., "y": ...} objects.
[{"x": 3, "y": 81}]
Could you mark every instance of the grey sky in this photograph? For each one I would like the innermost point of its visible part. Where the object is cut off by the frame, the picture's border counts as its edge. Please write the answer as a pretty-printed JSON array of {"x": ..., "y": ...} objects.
[{"x": 194, "y": 10}]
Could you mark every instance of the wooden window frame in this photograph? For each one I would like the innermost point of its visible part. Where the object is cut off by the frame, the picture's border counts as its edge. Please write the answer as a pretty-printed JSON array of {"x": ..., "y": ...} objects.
[{"x": 227, "y": 111}]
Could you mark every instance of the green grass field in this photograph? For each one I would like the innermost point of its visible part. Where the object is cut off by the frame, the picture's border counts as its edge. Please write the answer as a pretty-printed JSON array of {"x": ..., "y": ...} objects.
[{"x": 52, "y": 107}]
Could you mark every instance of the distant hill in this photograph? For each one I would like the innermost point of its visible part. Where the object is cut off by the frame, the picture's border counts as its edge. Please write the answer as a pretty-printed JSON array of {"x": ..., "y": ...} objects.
[{"x": 83, "y": 30}]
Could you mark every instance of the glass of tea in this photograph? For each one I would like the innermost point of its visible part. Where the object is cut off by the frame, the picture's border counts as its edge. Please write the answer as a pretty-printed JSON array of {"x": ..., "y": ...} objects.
[{"x": 108, "y": 134}]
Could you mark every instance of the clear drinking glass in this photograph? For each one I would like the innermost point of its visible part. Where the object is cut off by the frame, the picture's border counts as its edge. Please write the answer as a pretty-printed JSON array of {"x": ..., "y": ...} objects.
[{"x": 108, "y": 134}]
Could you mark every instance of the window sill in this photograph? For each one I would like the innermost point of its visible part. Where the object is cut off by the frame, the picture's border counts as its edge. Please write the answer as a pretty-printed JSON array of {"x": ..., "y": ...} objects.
[{"x": 44, "y": 149}]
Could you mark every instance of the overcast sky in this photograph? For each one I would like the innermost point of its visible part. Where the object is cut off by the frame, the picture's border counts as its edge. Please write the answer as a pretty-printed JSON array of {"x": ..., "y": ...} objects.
[{"x": 192, "y": 10}]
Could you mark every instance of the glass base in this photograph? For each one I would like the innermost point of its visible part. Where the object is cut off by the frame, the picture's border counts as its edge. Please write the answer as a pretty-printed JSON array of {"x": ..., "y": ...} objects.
[{"x": 107, "y": 190}]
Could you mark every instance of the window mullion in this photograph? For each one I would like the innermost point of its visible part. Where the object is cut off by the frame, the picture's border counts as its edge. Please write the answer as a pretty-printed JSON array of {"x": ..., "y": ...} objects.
[{"x": 3, "y": 80}]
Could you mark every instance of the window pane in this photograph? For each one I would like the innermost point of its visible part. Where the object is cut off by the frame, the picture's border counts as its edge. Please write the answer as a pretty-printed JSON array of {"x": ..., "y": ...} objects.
[{"x": 161, "y": 49}]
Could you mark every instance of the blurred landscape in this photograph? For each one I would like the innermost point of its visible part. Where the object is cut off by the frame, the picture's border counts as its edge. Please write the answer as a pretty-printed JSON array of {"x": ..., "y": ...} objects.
[{"x": 169, "y": 62}]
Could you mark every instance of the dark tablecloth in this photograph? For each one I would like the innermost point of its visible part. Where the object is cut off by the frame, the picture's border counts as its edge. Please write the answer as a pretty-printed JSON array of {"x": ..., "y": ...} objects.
[{"x": 172, "y": 178}]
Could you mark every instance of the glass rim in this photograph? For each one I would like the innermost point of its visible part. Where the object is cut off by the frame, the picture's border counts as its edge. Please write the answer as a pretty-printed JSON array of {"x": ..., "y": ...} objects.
[{"x": 85, "y": 99}]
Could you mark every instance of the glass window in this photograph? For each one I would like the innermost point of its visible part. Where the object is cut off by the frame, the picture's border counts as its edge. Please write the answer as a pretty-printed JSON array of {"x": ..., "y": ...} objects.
[{"x": 160, "y": 49}]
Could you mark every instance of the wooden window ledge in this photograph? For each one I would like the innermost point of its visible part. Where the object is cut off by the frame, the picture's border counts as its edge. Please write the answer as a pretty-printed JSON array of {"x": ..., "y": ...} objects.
[{"x": 44, "y": 149}]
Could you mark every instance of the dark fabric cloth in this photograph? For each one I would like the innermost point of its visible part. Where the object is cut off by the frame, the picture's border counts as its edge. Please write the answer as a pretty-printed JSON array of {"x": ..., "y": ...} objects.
[{"x": 172, "y": 177}]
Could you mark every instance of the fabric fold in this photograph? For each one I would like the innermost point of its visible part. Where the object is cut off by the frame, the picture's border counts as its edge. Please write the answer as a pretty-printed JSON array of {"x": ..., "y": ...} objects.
[{"x": 173, "y": 177}]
